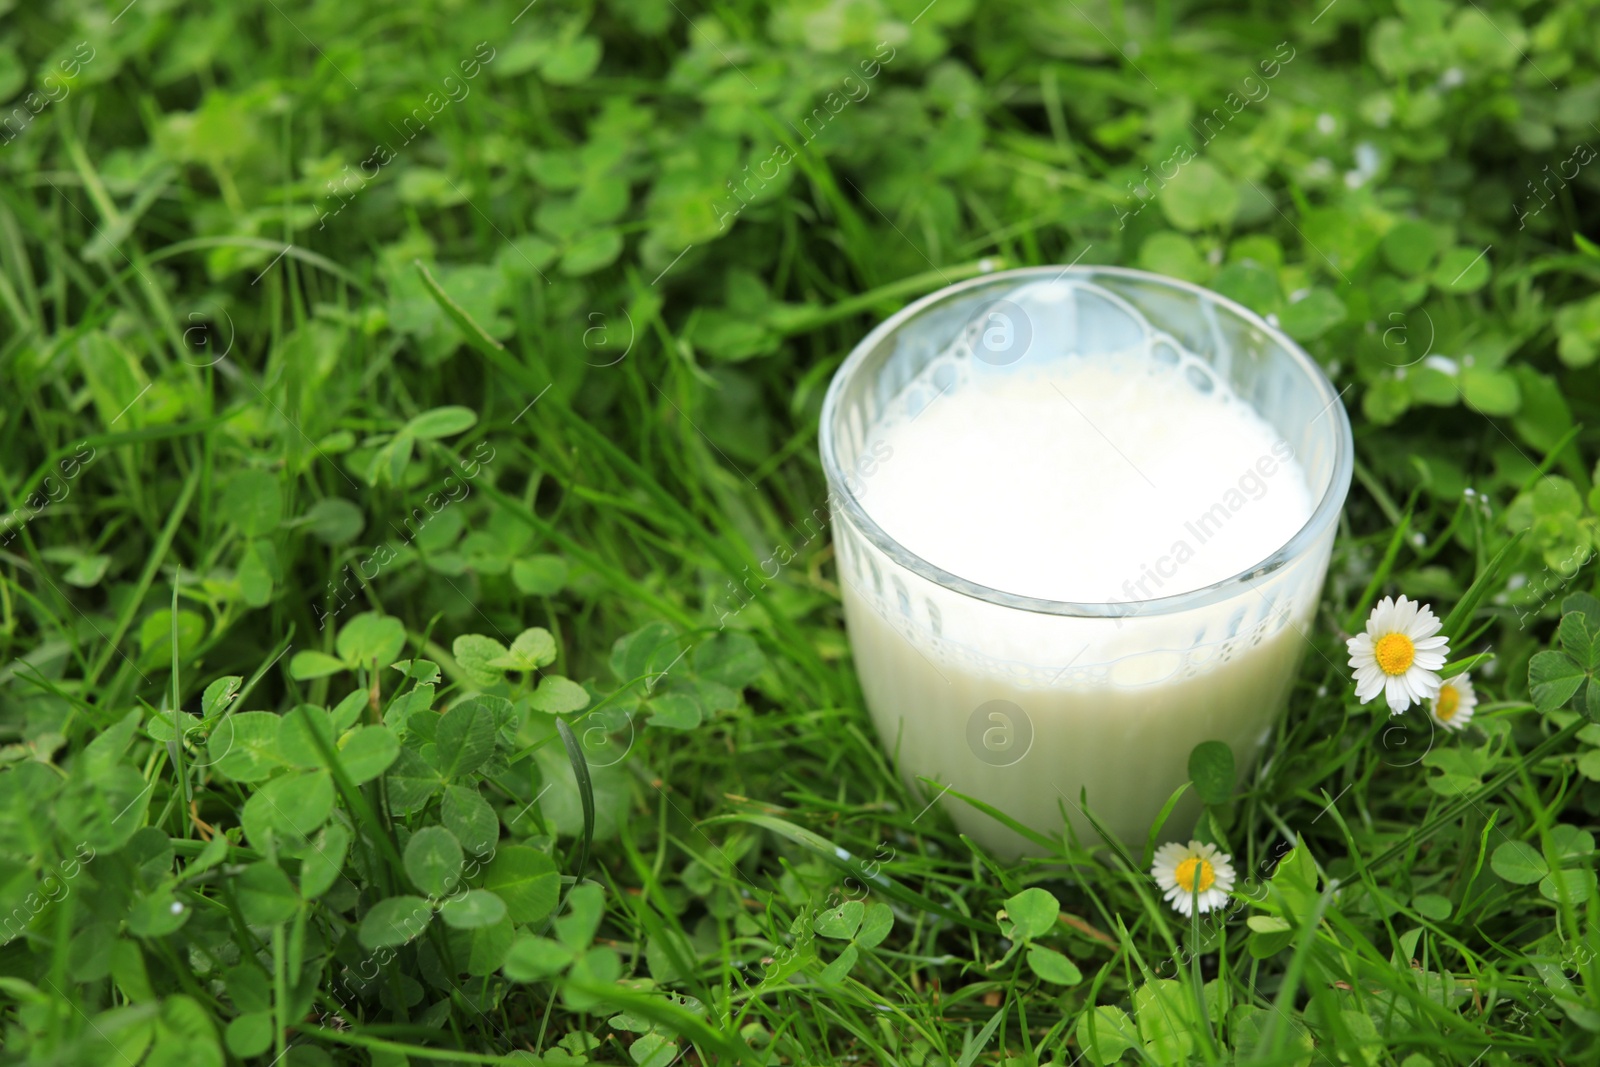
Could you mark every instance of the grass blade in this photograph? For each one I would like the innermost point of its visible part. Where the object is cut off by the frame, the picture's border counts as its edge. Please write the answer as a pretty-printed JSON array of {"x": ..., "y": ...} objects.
[
  {"x": 1462, "y": 612},
  {"x": 842, "y": 859},
  {"x": 477, "y": 337},
  {"x": 974, "y": 1050},
  {"x": 1352, "y": 621},
  {"x": 1002, "y": 818},
  {"x": 1161, "y": 820},
  {"x": 580, "y": 772}
]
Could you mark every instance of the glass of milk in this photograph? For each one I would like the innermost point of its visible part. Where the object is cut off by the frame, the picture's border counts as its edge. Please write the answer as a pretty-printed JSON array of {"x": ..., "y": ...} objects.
[{"x": 1082, "y": 518}]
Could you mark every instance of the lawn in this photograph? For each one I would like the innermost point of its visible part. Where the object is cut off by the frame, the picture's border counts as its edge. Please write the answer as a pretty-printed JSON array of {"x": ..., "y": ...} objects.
[{"x": 404, "y": 407}]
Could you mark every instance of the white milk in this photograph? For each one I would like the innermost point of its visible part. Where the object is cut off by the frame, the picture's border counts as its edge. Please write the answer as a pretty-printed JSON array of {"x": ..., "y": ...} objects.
[
  {"x": 1091, "y": 479},
  {"x": 1093, "y": 483}
]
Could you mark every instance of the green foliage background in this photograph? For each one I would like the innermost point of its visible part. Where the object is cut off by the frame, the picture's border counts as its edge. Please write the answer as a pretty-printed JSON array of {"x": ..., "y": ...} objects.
[{"x": 400, "y": 402}]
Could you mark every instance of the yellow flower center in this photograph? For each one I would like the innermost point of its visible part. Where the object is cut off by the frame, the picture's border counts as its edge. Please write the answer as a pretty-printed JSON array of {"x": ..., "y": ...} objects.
[
  {"x": 1194, "y": 869},
  {"x": 1394, "y": 653},
  {"x": 1447, "y": 704}
]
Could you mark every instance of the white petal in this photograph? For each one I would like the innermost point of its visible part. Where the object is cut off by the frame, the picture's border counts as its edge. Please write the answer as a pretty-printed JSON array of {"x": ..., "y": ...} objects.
[
  {"x": 1426, "y": 624},
  {"x": 1421, "y": 693},
  {"x": 1399, "y": 696},
  {"x": 1424, "y": 683},
  {"x": 1168, "y": 856}
]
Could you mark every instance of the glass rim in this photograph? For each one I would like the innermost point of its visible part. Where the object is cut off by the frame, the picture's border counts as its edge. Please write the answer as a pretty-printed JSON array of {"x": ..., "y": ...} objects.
[{"x": 1322, "y": 516}]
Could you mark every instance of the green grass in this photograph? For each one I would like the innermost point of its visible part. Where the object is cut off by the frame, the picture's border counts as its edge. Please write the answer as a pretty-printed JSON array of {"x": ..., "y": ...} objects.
[{"x": 543, "y": 376}]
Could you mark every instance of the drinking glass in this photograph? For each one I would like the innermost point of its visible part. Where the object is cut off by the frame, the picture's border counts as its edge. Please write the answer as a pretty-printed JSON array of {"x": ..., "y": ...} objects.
[{"x": 1050, "y": 710}]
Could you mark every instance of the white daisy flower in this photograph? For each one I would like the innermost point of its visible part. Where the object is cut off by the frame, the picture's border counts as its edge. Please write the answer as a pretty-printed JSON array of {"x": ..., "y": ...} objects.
[
  {"x": 1452, "y": 708},
  {"x": 1399, "y": 655},
  {"x": 1181, "y": 870}
]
